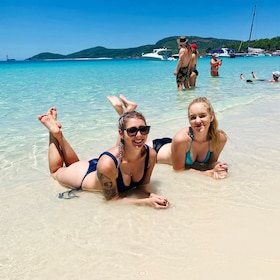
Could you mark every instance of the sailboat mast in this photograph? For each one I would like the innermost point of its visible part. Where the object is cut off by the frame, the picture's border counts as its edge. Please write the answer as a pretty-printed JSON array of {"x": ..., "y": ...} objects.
[{"x": 251, "y": 26}]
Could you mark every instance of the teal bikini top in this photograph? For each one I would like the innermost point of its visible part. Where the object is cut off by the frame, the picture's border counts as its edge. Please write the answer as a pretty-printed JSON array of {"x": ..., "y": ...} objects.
[{"x": 189, "y": 160}]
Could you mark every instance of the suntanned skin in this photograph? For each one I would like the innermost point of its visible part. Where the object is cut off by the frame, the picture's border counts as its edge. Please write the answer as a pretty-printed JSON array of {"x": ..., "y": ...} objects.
[
  {"x": 175, "y": 153},
  {"x": 185, "y": 56},
  {"x": 69, "y": 171}
]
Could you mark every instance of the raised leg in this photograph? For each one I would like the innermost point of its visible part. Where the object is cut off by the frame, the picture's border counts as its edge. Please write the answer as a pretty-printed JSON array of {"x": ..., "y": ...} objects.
[
  {"x": 60, "y": 151},
  {"x": 121, "y": 104},
  {"x": 129, "y": 105},
  {"x": 116, "y": 103}
]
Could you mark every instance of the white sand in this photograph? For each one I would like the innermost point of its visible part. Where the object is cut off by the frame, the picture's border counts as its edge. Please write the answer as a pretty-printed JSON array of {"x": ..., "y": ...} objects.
[{"x": 226, "y": 229}]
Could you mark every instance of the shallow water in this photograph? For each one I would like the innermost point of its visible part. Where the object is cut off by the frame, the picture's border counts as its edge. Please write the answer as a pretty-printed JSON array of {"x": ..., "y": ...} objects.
[{"x": 224, "y": 229}]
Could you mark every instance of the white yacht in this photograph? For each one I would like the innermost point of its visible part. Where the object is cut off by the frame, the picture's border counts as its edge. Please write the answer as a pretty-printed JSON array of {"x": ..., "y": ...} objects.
[
  {"x": 159, "y": 54},
  {"x": 276, "y": 53},
  {"x": 223, "y": 52}
]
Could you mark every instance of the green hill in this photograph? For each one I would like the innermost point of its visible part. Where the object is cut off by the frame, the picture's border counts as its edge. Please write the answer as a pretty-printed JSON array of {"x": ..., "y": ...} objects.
[{"x": 204, "y": 45}]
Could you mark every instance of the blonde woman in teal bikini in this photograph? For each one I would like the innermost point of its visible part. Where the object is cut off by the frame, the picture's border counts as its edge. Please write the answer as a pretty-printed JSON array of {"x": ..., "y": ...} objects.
[{"x": 195, "y": 147}]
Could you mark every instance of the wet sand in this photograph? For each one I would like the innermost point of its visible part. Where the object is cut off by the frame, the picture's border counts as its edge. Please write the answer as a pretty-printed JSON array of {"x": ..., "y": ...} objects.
[{"x": 226, "y": 229}]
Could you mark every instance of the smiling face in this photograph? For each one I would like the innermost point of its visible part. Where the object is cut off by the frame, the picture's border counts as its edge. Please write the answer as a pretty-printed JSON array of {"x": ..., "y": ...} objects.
[
  {"x": 133, "y": 129},
  {"x": 139, "y": 127},
  {"x": 199, "y": 117}
]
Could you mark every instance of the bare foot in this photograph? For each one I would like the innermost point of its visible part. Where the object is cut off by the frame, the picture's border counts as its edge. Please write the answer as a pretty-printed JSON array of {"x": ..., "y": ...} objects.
[
  {"x": 116, "y": 104},
  {"x": 129, "y": 105},
  {"x": 52, "y": 111},
  {"x": 49, "y": 121}
]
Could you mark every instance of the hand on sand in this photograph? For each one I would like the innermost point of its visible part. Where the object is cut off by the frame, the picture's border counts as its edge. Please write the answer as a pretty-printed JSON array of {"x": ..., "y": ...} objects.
[
  {"x": 158, "y": 201},
  {"x": 220, "y": 171}
]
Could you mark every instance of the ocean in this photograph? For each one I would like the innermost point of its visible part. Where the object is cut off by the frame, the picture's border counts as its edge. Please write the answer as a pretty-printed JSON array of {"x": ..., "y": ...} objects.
[
  {"x": 79, "y": 88},
  {"x": 202, "y": 232}
]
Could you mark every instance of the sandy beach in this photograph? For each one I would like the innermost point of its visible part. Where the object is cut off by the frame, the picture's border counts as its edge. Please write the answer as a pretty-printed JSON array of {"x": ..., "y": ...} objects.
[{"x": 226, "y": 229}]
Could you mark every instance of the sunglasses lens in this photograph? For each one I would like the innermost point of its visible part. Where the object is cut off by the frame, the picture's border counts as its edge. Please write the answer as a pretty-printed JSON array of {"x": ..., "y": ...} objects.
[
  {"x": 144, "y": 130},
  {"x": 132, "y": 131}
]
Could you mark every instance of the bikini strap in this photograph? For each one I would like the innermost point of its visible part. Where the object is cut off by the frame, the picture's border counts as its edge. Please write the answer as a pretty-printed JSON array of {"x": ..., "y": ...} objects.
[
  {"x": 147, "y": 156},
  {"x": 70, "y": 194},
  {"x": 191, "y": 133},
  {"x": 111, "y": 156}
]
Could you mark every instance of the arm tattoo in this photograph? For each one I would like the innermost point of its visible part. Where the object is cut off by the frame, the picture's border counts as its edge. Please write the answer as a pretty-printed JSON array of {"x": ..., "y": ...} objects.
[{"x": 109, "y": 190}]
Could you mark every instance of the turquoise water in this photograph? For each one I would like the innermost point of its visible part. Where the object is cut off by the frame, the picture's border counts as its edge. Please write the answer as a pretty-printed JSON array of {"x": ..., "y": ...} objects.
[
  {"x": 226, "y": 229},
  {"x": 79, "y": 89}
]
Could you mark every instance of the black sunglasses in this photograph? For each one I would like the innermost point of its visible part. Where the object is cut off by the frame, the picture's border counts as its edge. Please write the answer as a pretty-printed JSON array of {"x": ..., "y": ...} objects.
[{"x": 132, "y": 131}]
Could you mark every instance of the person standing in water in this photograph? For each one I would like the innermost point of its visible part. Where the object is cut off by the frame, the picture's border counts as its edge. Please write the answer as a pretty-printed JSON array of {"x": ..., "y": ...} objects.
[
  {"x": 182, "y": 71},
  {"x": 193, "y": 64},
  {"x": 215, "y": 63}
]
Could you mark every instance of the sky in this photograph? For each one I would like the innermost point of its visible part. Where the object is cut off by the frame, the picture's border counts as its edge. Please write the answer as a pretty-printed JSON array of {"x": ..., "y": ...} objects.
[{"x": 30, "y": 27}]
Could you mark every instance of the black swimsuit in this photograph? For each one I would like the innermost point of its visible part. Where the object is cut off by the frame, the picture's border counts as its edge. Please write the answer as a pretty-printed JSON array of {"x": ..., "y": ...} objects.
[
  {"x": 120, "y": 184},
  {"x": 158, "y": 143}
]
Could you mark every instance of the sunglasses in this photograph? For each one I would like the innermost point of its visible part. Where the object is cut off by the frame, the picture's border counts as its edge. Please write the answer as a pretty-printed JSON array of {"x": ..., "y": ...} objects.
[{"x": 132, "y": 131}]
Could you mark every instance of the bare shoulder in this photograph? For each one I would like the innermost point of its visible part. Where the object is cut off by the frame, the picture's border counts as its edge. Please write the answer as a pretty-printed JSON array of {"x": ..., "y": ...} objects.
[
  {"x": 223, "y": 136},
  {"x": 182, "y": 136},
  {"x": 105, "y": 162}
]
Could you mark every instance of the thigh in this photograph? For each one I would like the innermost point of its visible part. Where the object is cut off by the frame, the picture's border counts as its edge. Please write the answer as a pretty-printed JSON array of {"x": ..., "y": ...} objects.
[
  {"x": 72, "y": 175},
  {"x": 164, "y": 154}
]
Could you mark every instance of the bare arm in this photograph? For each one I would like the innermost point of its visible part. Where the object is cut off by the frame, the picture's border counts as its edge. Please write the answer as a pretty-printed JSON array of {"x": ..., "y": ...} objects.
[
  {"x": 154, "y": 200},
  {"x": 179, "y": 147},
  {"x": 217, "y": 170},
  {"x": 216, "y": 153},
  {"x": 215, "y": 63},
  {"x": 180, "y": 61},
  {"x": 107, "y": 174},
  {"x": 107, "y": 178}
]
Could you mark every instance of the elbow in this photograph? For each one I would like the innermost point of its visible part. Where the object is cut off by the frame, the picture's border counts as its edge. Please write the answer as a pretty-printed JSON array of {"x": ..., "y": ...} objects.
[{"x": 178, "y": 169}]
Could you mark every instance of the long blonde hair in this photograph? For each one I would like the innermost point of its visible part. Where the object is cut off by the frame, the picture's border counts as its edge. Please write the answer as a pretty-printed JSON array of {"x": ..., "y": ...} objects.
[{"x": 214, "y": 131}]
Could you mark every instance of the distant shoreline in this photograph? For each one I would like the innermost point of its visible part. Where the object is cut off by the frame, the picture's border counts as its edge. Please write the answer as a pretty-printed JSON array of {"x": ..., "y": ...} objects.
[
  {"x": 59, "y": 59},
  {"x": 71, "y": 59}
]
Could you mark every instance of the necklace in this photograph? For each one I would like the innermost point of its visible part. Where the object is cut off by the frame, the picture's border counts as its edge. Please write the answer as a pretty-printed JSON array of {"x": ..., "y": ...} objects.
[
  {"x": 130, "y": 169},
  {"x": 129, "y": 165}
]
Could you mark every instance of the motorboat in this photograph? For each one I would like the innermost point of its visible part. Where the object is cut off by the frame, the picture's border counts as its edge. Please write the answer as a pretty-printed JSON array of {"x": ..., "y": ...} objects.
[
  {"x": 253, "y": 52},
  {"x": 223, "y": 52},
  {"x": 159, "y": 54},
  {"x": 257, "y": 52},
  {"x": 276, "y": 53}
]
